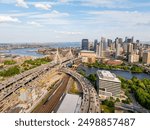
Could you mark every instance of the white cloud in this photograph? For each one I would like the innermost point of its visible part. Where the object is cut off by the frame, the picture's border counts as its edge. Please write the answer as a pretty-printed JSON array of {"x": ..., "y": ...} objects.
[
  {"x": 43, "y": 6},
  {"x": 51, "y": 15},
  {"x": 34, "y": 24},
  {"x": 102, "y": 3},
  {"x": 118, "y": 18},
  {"x": 144, "y": 24},
  {"x": 69, "y": 32},
  {"x": 7, "y": 19},
  {"x": 53, "y": 18},
  {"x": 65, "y": 1},
  {"x": 21, "y": 3},
  {"x": 56, "y": 13}
]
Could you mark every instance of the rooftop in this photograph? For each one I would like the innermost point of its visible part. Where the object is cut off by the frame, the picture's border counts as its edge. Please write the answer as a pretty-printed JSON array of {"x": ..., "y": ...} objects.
[
  {"x": 70, "y": 104},
  {"x": 87, "y": 51},
  {"x": 107, "y": 75}
]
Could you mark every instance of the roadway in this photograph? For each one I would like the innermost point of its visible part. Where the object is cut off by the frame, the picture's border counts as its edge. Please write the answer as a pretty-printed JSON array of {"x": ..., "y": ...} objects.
[
  {"x": 131, "y": 107},
  {"x": 9, "y": 86},
  {"x": 90, "y": 100}
]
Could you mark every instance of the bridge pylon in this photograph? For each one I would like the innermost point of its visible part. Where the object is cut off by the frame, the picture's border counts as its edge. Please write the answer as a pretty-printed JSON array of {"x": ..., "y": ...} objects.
[
  {"x": 57, "y": 58},
  {"x": 69, "y": 55}
]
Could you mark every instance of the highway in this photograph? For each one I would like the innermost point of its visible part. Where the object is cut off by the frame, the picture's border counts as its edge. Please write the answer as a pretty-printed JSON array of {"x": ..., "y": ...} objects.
[
  {"x": 129, "y": 107},
  {"x": 9, "y": 86},
  {"x": 54, "y": 98},
  {"x": 90, "y": 100}
]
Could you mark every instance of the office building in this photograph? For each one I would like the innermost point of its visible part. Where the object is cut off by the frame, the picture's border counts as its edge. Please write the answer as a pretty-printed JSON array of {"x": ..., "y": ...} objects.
[
  {"x": 146, "y": 57},
  {"x": 133, "y": 58},
  {"x": 137, "y": 41},
  {"x": 88, "y": 56},
  {"x": 91, "y": 46},
  {"x": 120, "y": 40},
  {"x": 109, "y": 42},
  {"x": 95, "y": 44},
  {"x": 141, "y": 51},
  {"x": 100, "y": 49},
  {"x": 129, "y": 40},
  {"x": 117, "y": 48},
  {"x": 108, "y": 84},
  {"x": 125, "y": 47},
  {"x": 129, "y": 49},
  {"x": 104, "y": 43},
  {"x": 85, "y": 44}
]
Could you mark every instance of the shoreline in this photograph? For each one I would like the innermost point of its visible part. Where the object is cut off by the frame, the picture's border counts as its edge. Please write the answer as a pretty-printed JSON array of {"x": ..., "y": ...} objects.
[
  {"x": 119, "y": 70},
  {"x": 131, "y": 73}
]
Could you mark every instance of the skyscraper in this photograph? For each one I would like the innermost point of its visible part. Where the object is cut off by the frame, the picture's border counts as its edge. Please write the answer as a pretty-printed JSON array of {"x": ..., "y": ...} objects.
[
  {"x": 129, "y": 49},
  {"x": 133, "y": 58},
  {"x": 85, "y": 44},
  {"x": 109, "y": 42},
  {"x": 117, "y": 48},
  {"x": 100, "y": 48},
  {"x": 95, "y": 44},
  {"x": 146, "y": 57},
  {"x": 129, "y": 40},
  {"x": 104, "y": 43},
  {"x": 120, "y": 40},
  {"x": 132, "y": 39}
]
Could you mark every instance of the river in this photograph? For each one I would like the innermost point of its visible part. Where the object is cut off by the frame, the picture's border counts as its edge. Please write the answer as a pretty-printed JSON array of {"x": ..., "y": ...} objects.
[
  {"x": 32, "y": 51},
  {"x": 125, "y": 74},
  {"x": 24, "y": 52}
]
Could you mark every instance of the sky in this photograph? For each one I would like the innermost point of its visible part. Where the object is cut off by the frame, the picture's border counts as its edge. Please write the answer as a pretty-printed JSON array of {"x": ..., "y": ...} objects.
[{"x": 73, "y": 20}]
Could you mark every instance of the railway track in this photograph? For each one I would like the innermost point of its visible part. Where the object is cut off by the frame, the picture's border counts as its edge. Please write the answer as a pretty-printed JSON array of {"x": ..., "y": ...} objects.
[
  {"x": 90, "y": 100},
  {"x": 53, "y": 100}
]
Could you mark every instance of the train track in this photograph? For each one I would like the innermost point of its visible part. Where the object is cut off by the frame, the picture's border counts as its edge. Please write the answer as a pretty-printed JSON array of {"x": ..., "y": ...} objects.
[
  {"x": 90, "y": 100},
  {"x": 54, "y": 99}
]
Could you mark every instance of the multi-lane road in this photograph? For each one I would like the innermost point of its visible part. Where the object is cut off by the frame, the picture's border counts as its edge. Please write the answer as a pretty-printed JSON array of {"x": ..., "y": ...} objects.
[
  {"x": 7, "y": 87},
  {"x": 90, "y": 100}
]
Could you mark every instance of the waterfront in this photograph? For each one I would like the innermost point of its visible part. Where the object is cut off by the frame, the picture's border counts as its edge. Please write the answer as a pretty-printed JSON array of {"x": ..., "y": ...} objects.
[
  {"x": 23, "y": 52},
  {"x": 33, "y": 51},
  {"x": 125, "y": 74}
]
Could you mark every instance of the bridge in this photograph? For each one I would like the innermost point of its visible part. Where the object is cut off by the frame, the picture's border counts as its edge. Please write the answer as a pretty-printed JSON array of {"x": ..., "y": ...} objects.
[{"x": 90, "y": 100}]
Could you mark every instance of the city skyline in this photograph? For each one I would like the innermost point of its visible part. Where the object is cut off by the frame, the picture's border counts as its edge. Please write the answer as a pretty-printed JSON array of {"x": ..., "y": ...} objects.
[{"x": 70, "y": 20}]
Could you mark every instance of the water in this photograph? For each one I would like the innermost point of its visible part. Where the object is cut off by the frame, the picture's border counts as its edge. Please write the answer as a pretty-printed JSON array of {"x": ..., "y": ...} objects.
[
  {"x": 32, "y": 51},
  {"x": 64, "y": 44},
  {"x": 24, "y": 52},
  {"x": 125, "y": 74}
]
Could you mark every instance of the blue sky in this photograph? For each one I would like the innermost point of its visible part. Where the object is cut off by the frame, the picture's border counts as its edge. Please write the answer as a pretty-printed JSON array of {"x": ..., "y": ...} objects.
[{"x": 72, "y": 20}]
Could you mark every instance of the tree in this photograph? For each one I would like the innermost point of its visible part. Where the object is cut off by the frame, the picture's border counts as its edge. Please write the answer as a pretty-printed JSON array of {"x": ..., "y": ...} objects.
[
  {"x": 92, "y": 77},
  {"x": 130, "y": 82},
  {"x": 117, "y": 100}
]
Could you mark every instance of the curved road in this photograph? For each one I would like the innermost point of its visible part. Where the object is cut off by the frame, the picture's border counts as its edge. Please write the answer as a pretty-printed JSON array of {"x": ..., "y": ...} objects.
[{"x": 90, "y": 101}]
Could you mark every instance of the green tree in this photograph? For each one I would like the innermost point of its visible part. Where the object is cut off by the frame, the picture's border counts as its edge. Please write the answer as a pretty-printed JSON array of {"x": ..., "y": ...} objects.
[
  {"x": 10, "y": 72},
  {"x": 9, "y": 62}
]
